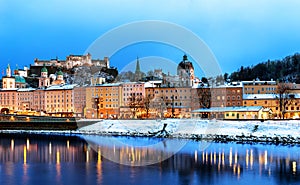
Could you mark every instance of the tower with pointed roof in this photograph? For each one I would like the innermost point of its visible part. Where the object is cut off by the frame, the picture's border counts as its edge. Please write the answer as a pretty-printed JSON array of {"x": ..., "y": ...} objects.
[
  {"x": 138, "y": 73},
  {"x": 8, "y": 71},
  {"x": 8, "y": 82}
]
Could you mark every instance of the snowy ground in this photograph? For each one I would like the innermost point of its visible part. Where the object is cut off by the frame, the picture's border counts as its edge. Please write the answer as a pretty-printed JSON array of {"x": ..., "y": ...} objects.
[
  {"x": 189, "y": 128},
  {"x": 267, "y": 131}
]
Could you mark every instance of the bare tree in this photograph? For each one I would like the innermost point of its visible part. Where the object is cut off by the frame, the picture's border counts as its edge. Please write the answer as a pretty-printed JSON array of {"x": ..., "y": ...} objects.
[
  {"x": 136, "y": 104},
  {"x": 285, "y": 97},
  {"x": 204, "y": 97},
  {"x": 147, "y": 105}
]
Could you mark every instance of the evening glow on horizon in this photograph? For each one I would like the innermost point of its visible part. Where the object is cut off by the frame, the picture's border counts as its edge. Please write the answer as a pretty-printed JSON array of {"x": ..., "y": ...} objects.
[{"x": 239, "y": 32}]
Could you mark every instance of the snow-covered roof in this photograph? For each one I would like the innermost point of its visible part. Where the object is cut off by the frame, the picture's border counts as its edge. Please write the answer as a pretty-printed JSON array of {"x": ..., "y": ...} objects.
[
  {"x": 271, "y": 82},
  {"x": 109, "y": 85},
  {"x": 61, "y": 87},
  {"x": 152, "y": 83},
  {"x": 26, "y": 89},
  {"x": 230, "y": 109},
  {"x": 258, "y": 96},
  {"x": 10, "y": 89},
  {"x": 229, "y": 85},
  {"x": 264, "y": 96}
]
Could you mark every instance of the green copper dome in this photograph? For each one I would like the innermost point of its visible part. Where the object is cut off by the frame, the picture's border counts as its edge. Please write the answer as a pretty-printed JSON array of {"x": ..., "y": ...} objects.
[
  {"x": 44, "y": 69},
  {"x": 19, "y": 79},
  {"x": 60, "y": 73}
]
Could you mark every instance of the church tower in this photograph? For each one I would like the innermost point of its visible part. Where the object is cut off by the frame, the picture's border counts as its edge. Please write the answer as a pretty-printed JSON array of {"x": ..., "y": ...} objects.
[
  {"x": 185, "y": 71},
  {"x": 138, "y": 73},
  {"x": 44, "y": 80},
  {"x": 8, "y": 71},
  {"x": 8, "y": 82}
]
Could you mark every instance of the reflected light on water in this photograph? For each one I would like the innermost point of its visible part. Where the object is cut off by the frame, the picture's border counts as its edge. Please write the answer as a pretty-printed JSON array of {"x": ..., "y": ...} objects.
[
  {"x": 235, "y": 157},
  {"x": 213, "y": 165},
  {"x": 294, "y": 167},
  {"x": 230, "y": 157},
  {"x": 87, "y": 156},
  {"x": 247, "y": 158},
  {"x": 57, "y": 157},
  {"x": 266, "y": 159},
  {"x": 50, "y": 148},
  {"x": 99, "y": 167},
  {"x": 251, "y": 159},
  {"x": 27, "y": 144},
  {"x": 12, "y": 144},
  {"x": 24, "y": 155}
]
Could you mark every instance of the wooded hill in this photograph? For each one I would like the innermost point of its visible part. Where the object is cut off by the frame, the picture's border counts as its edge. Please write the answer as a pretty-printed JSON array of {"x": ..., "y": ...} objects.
[{"x": 284, "y": 70}]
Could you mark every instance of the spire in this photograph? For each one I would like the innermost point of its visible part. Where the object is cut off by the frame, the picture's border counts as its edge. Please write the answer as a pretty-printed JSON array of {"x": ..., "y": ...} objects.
[
  {"x": 137, "y": 68},
  {"x": 137, "y": 74},
  {"x": 8, "y": 71}
]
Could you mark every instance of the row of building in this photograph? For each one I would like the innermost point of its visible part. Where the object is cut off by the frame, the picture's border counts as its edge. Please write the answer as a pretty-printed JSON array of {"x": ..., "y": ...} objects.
[
  {"x": 182, "y": 95},
  {"x": 149, "y": 99}
]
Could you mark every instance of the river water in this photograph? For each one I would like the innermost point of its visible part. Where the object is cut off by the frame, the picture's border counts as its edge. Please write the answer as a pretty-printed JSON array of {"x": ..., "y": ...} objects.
[{"x": 30, "y": 159}]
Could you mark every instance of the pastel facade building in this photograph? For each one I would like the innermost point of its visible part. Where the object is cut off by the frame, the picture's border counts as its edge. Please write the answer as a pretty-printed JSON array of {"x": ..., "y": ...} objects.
[
  {"x": 103, "y": 101},
  {"x": 79, "y": 101},
  {"x": 227, "y": 96},
  {"x": 59, "y": 100},
  {"x": 8, "y": 100},
  {"x": 25, "y": 100},
  {"x": 133, "y": 94},
  {"x": 259, "y": 87},
  {"x": 251, "y": 112},
  {"x": 170, "y": 101},
  {"x": 272, "y": 101}
]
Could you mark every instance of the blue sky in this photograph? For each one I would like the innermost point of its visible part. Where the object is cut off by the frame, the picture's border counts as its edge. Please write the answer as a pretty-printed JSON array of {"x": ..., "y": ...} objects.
[{"x": 238, "y": 32}]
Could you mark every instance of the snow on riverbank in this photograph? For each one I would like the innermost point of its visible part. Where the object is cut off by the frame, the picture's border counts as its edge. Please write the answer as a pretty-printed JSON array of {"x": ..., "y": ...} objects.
[
  {"x": 274, "y": 131},
  {"x": 191, "y": 127}
]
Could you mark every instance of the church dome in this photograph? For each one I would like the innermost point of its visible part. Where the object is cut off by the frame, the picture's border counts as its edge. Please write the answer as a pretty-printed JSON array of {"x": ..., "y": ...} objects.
[
  {"x": 60, "y": 73},
  {"x": 44, "y": 69},
  {"x": 185, "y": 64},
  {"x": 19, "y": 79}
]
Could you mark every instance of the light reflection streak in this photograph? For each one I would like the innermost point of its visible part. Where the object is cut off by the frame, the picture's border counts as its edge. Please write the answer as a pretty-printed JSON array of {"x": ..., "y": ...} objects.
[
  {"x": 12, "y": 144},
  {"x": 230, "y": 157},
  {"x": 50, "y": 148},
  {"x": 247, "y": 158},
  {"x": 24, "y": 155},
  {"x": 294, "y": 167},
  {"x": 99, "y": 167},
  {"x": 68, "y": 144},
  {"x": 235, "y": 157},
  {"x": 27, "y": 144},
  {"x": 251, "y": 159}
]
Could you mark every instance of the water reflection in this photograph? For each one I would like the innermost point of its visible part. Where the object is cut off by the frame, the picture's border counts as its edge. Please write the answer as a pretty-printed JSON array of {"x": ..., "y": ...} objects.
[{"x": 66, "y": 159}]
